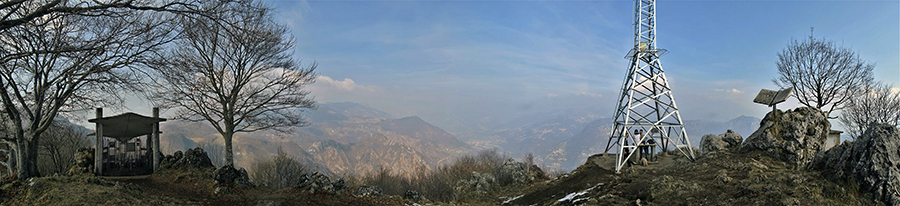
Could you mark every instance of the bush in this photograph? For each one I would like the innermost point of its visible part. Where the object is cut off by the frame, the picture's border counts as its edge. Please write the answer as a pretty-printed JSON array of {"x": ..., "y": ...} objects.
[
  {"x": 438, "y": 184},
  {"x": 282, "y": 171}
]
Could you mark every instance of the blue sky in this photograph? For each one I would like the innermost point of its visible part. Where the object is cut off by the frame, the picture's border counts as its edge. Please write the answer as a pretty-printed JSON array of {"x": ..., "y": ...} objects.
[{"x": 494, "y": 60}]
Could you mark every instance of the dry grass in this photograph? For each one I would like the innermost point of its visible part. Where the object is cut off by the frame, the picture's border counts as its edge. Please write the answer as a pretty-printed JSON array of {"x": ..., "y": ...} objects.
[{"x": 438, "y": 184}]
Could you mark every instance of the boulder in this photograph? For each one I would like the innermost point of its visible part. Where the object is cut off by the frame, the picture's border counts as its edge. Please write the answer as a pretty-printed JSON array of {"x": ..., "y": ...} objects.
[
  {"x": 194, "y": 158},
  {"x": 711, "y": 143},
  {"x": 414, "y": 196},
  {"x": 371, "y": 191},
  {"x": 870, "y": 161},
  {"x": 229, "y": 175},
  {"x": 478, "y": 183},
  {"x": 733, "y": 139},
  {"x": 84, "y": 162},
  {"x": 794, "y": 136},
  {"x": 223, "y": 191},
  {"x": 320, "y": 183},
  {"x": 512, "y": 172}
]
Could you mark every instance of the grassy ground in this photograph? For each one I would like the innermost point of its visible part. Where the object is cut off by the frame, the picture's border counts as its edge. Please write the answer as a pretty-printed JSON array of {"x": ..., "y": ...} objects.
[
  {"x": 722, "y": 179},
  {"x": 168, "y": 187}
]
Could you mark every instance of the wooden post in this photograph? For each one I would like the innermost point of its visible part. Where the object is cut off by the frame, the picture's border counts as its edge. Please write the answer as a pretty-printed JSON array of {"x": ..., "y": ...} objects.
[
  {"x": 155, "y": 140},
  {"x": 98, "y": 151}
]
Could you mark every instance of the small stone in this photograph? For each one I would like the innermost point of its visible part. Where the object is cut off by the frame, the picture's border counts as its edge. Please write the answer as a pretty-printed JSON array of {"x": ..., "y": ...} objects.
[{"x": 223, "y": 191}]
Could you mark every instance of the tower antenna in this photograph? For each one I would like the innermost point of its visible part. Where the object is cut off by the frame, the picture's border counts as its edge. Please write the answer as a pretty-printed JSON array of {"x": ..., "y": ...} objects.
[{"x": 646, "y": 102}]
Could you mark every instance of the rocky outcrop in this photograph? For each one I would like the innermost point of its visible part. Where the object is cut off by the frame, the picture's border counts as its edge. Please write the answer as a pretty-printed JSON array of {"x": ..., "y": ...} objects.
[
  {"x": 320, "y": 183},
  {"x": 512, "y": 172},
  {"x": 711, "y": 143},
  {"x": 84, "y": 162},
  {"x": 414, "y": 196},
  {"x": 870, "y": 162},
  {"x": 371, "y": 191},
  {"x": 194, "y": 158},
  {"x": 478, "y": 184},
  {"x": 794, "y": 136},
  {"x": 227, "y": 175}
]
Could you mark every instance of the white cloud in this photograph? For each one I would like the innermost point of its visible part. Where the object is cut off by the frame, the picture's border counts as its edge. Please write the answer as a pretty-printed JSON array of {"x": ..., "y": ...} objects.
[
  {"x": 551, "y": 95},
  {"x": 732, "y": 91},
  {"x": 583, "y": 93},
  {"x": 346, "y": 84}
]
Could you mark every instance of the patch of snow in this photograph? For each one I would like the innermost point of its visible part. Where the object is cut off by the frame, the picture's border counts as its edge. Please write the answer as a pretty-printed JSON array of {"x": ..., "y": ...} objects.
[
  {"x": 570, "y": 196},
  {"x": 511, "y": 199}
]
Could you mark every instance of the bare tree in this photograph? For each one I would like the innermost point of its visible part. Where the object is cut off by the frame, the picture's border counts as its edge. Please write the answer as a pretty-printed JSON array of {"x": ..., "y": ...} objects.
[
  {"x": 58, "y": 146},
  {"x": 236, "y": 73},
  {"x": 824, "y": 75},
  {"x": 875, "y": 102},
  {"x": 282, "y": 171},
  {"x": 91, "y": 62}
]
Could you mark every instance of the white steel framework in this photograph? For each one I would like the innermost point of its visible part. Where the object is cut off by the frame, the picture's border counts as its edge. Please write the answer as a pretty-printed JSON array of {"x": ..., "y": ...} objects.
[{"x": 646, "y": 101}]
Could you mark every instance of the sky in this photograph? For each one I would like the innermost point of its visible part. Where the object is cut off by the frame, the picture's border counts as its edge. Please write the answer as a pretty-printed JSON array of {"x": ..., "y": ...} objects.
[{"x": 492, "y": 61}]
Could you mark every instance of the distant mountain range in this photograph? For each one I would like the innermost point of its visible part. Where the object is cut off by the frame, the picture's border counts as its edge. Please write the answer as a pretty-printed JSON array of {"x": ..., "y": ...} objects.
[
  {"x": 344, "y": 138},
  {"x": 350, "y": 138}
]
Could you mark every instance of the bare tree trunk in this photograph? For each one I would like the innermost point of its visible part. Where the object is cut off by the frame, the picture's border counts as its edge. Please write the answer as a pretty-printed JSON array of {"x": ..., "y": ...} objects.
[
  {"x": 26, "y": 159},
  {"x": 229, "y": 154}
]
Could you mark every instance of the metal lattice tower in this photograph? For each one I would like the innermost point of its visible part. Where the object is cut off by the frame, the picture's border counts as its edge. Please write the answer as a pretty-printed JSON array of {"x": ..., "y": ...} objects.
[{"x": 646, "y": 101}]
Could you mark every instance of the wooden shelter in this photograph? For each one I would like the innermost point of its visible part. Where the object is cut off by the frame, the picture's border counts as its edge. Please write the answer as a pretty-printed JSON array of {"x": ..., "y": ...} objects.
[{"x": 119, "y": 146}]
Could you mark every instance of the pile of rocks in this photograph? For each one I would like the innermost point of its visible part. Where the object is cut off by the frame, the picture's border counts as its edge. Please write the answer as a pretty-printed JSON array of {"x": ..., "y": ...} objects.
[
  {"x": 512, "y": 172},
  {"x": 192, "y": 158},
  {"x": 871, "y": 161},
  {"x": 84, "y": 162},
  {"x": 320, "y": 183},
  {"x": 728, "y": 141},
  {"x": 370, "y": 191},
  {"x": 794, "y": 136},
  {"x": 478, "y": 183},
  {"x": 228, "y": 175}
]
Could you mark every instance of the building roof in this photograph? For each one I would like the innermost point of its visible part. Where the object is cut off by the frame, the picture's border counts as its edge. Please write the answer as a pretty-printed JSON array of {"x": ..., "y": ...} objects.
[{"x": 125, "y": 126}]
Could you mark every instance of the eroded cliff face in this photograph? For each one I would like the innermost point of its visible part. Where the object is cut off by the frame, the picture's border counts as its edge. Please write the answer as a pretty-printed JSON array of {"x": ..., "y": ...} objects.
[
  {"x": 794, "y": 136},
  {"x": 870, "y": 161}
]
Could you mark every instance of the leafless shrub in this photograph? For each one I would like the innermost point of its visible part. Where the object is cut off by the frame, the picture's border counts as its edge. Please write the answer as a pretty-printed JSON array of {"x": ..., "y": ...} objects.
[
  {"x": 438, "y": 184},
  {"x": 57, "y": 147},
  {"x": 282, "y": 171},
  {"x": 875, "y": 102}
]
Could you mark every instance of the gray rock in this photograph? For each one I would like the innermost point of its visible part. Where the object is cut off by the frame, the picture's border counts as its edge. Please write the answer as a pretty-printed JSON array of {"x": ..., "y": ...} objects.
[
  {"x": 733, "y": 139},
  {"x": 268, "y": 203},
  {"x": 722, "y": 177},
  {"x": 320, "y": 183},
  {"x": 414, "y": 196},
  {"x": 512, "y": 172},
  {"x": 871, "y": 161},
  {"x": 794, "y": 136},
  {"x": 243, "y": 181},
  {"x": 223, "y": 191},
  {"x": 84, "y": 161},
  {"x": 226, "y": 174},
  {"x": 193, "y": 158},
  {"x": 711, "y": 143},
  {"x": 371, "y": 191},
  {"x": 229, "y": 175},
  {"x": 478, "y": 183}
]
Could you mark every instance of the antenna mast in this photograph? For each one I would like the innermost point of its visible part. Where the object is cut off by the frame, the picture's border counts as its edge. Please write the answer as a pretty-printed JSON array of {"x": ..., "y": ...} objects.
[{"x": 646, "y": 101}]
